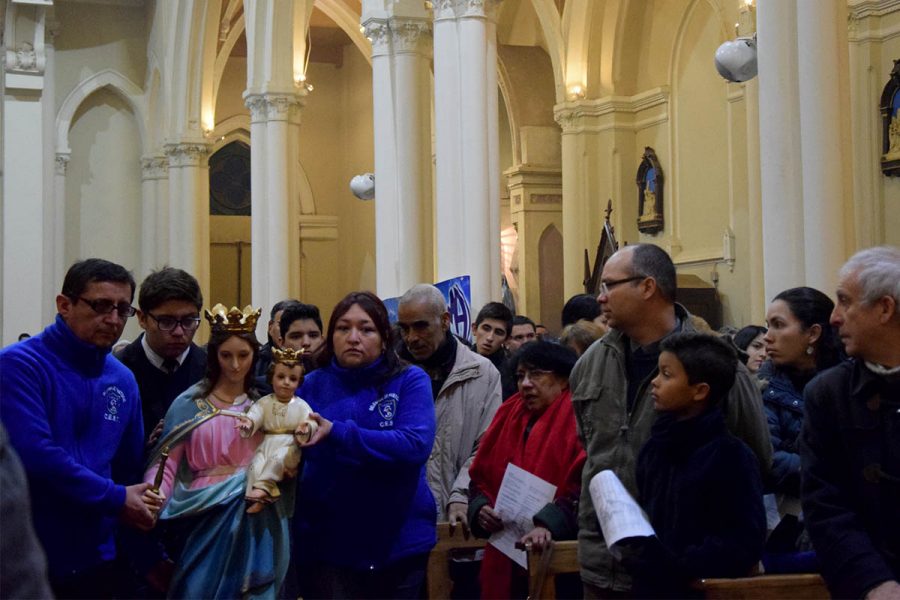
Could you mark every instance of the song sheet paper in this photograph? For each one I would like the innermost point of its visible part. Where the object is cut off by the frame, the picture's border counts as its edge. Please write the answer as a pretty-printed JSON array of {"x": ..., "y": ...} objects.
[
  {"x": 522, "y": 495},
  {"x": 619, "y": 515}
]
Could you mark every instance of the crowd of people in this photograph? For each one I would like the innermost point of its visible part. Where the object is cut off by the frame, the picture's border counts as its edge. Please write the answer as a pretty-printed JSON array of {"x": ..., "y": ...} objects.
[{"x": 319, "y": 463}]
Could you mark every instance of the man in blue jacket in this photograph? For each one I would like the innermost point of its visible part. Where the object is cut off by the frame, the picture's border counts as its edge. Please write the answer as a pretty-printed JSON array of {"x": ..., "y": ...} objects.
[{"x": 74, "y": 417}]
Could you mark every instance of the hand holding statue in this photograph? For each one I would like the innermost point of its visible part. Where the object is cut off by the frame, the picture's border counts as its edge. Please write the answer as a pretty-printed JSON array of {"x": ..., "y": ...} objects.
[
  {"x": 135, "y": 512},
  {"x": 321, "y": 429}
]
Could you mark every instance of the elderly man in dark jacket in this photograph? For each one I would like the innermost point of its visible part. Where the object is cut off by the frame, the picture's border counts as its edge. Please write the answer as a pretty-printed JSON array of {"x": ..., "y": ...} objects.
[{"x": 850, "y": 444}]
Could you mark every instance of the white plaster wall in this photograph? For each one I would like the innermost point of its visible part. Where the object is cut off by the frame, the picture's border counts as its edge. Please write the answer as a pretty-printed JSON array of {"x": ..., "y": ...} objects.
[
  {"x": 700, "y": 177},
  {"x": 336, "y": 143},
  {"x": 94, "y": 37},
  {"x": 103, "y": 186}
]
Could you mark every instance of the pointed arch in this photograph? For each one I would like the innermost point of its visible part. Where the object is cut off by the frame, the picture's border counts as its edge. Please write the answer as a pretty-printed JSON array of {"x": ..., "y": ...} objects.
[
  {"x": 348, "y": 20},
  {"x": 234, "y": 34},
  {"x": 115, "y": 82}
]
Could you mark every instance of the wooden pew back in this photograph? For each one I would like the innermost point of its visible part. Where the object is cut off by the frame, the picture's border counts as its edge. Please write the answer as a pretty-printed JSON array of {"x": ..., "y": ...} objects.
[
  {"x": 438, "y": 576},
  {"x": 563, "y": 558}
]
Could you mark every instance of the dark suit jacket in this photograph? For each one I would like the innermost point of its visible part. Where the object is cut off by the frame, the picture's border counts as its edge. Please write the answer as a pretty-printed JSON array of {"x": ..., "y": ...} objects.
[{"x": 158, "y": 388}]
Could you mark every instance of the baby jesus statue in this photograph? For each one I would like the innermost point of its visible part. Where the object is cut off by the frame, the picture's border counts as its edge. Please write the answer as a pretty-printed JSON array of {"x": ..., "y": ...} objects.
[{"x": 279, "y": 415}]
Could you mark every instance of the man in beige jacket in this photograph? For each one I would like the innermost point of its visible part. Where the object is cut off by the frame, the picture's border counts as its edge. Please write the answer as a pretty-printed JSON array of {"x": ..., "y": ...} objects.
[{"x": 466, "y": 391}]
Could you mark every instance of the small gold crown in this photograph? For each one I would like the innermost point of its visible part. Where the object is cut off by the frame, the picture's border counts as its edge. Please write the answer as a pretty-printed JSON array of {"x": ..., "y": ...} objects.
[
  {"x": 288, "y": 356},
  {"x": 233, "y": 320}
]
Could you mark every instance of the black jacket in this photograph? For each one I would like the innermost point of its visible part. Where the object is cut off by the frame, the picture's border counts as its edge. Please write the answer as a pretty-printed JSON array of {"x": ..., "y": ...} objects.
[
  {"x": 850, "y": 456},
  {"x": 157, "y": 387},
  {"x": 702, "y": 491}
]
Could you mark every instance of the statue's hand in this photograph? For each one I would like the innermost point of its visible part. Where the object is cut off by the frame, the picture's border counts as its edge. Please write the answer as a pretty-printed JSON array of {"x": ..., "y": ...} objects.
[{"x": 319, "y": 428}]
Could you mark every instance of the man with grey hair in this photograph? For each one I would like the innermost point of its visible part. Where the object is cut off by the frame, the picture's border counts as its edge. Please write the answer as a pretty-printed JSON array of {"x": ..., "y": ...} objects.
[
  {"x": 850, "y": 443},
  {"x": 466, "y": 391},
  {"x": 612, "y": 395}
]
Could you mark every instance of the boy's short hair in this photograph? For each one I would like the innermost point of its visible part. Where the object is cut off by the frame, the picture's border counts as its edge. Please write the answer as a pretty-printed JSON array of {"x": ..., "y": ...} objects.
[
  {"x": 522, "y": 320},
  {"x": 169, "y": 284},
  {"x": 294, "y": 311},
  {"x": 495, "y": 310},
  {"x": 706, "y": 359}
]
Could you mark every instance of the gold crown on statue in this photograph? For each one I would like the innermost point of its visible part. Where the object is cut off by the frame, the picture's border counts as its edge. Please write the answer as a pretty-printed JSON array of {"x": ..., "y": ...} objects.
[
  {"x": 233, "y": 320},
  {"x": 288, "y": 357}
]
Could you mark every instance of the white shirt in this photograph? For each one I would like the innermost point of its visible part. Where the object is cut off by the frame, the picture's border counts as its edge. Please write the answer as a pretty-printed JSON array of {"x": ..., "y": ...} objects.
[{"x": 156, "y": 360}]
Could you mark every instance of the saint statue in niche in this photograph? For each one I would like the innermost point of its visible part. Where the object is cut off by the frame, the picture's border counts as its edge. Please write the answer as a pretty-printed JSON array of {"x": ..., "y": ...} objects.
[
  {"x": 890, "y": 117},
  {"x": 650, "y": 193}
]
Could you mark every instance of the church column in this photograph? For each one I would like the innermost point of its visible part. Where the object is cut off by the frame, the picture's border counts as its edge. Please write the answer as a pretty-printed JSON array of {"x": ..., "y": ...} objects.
[
  {"x": 823, "y": 74},
  {"x": 575, "y": 206},
  {"x": 25, "y": 235},
  {"x": 276, "y": 34},
  {"x": 61, "y": 165},
  {"x": 274, "y": 123},
  {"x": 466, "y": 116},
  {"x": 188, "y": 223},
  {"x": 781, "y": 180},
  {"x": 154, "y": 213},
  {"x": 535, "y": 199},
  {"x": 401, "y": 53}
]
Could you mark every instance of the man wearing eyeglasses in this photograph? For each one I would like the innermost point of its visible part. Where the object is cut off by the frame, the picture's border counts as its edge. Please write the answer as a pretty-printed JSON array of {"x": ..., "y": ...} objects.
[
  {"x": 73, "y": 415},
  {"x": 611, "y": 394},
  {"x": 164, "y": 359}
]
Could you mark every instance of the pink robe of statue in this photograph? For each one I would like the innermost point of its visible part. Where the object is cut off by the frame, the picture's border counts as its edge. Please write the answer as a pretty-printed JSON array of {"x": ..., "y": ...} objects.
[{"x": 214, "y": 451}]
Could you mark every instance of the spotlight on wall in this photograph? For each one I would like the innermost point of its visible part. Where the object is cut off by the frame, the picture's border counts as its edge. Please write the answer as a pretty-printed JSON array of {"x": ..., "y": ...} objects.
[
  {"x": 363, "y": 186},
  {"x": 736, "y": 59},
  {"x": 576, "y": 92}
]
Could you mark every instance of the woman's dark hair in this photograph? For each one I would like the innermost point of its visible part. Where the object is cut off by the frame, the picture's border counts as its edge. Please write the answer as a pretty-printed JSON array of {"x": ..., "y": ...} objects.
[
  {"x": 214, "y": 369},
  {"x": 374, "y": 307},
  {"x": 812, "y": 307},
  {"x": 746, "y": 335},
  {"x": 580, "y": 306},
  {"x": 546, "y": 355}
]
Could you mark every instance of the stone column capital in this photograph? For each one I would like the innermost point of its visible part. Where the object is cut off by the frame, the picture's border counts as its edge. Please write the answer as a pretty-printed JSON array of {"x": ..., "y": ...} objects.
[
  {"x": 186, "y": 153},
  {"x": 455, "y": 9},
  {"x": 275, "y": 106},
  {"x": 62, "y": 162},
  {"x": 154, "y": 167},
  {"x": 399, "y": 35}
]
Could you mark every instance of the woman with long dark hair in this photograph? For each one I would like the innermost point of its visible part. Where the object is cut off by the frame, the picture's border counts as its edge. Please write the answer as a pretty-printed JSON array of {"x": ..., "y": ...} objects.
[
  {"x": 365, "y": 517},
  {"x": 749, "y": 340},
  {"x": 200, "y": 465},
  {"x": 800, "y": 343}
]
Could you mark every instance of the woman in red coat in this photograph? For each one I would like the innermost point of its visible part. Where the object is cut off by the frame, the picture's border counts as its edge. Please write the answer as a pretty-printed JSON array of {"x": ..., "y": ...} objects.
[{"x": 534, "y": 430}]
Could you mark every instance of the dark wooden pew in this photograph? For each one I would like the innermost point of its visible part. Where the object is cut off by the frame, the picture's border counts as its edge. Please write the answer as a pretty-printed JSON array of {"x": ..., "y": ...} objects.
[{"x": 562, "y": 557}]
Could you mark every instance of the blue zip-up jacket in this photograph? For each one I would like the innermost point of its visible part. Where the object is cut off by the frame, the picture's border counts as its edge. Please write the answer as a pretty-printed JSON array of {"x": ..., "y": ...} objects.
[
  {"x": 363, "y": 501},
  {"x": 784, "y": 412},
  {"x": 73, "y": 414}
]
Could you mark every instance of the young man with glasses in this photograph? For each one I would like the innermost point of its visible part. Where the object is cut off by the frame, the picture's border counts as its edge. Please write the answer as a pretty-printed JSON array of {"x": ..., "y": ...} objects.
[
  {"x": 73, "y": 415},
  {"x": 611, "y": 394},
  {"x": 164, "y": 359}
]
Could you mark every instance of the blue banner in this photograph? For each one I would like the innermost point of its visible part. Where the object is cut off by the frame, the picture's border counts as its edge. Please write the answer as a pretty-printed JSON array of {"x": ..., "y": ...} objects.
[{"x": 458, "y": 294}]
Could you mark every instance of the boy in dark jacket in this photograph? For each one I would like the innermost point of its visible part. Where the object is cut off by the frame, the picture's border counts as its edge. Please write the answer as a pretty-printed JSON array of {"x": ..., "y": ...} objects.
[{"x": 699, "y": 485}]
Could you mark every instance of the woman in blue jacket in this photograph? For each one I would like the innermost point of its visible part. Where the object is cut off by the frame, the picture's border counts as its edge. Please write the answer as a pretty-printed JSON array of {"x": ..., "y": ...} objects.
[
  {"x": 365, "y": 517},
  {"x": 800, "y": 343}
]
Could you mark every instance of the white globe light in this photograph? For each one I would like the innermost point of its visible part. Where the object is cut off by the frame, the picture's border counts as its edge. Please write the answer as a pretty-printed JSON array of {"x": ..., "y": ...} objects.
[
  {"x": 736, "y": 59},
  {"x": 363, "y": 186}
]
